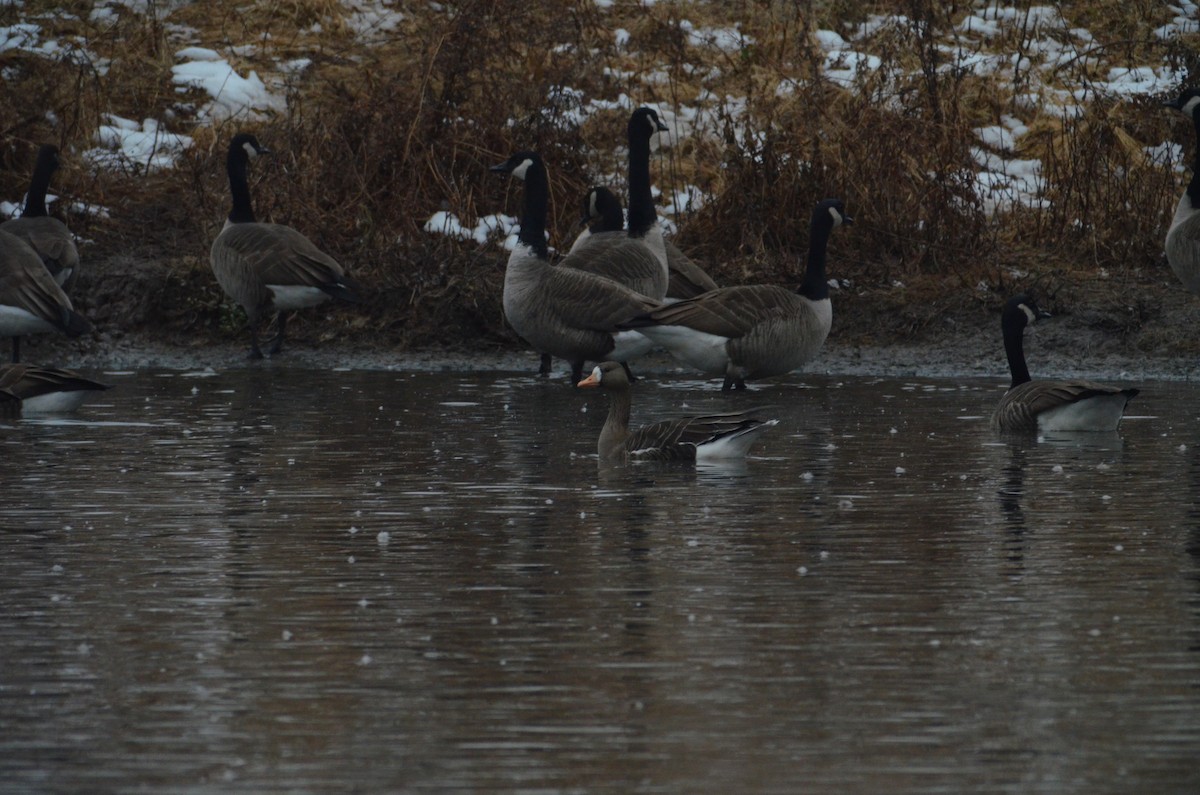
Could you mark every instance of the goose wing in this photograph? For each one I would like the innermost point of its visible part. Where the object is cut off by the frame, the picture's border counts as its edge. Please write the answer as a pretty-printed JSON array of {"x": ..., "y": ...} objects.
[
  {"x": 29, "y": 381},
  {"x": 587, "y": 300},
  {"x": 25, "y": 283},
  {"x": 727, "y": 312},
  {"x": 278, "y": 254},
  {"x": 1021, "y": 405},
  {"x": 678, "y": 439},
  {"x": 687, "y": 279}
]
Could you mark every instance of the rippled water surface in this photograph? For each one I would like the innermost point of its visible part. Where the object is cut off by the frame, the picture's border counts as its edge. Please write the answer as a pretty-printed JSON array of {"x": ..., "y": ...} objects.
[{"x": 284, "y": 580}]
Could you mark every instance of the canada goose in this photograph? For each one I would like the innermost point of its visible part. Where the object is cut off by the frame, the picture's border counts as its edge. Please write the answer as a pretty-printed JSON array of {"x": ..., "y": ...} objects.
[
  {"x": 754, "y": 331},
  {"x": 605, "y": 220},
  {"x": 31, "y": 302},
  {"x": 44, "y": 233},
  {"x": 45, "y": 390},
  {"x": 270, "y": 267},
  {"x": 1183, "y": 238},
  {"x": 707, "y": 437},
  {"x": 560, "y": 310},
  {"x": 1030, "y": 405}
]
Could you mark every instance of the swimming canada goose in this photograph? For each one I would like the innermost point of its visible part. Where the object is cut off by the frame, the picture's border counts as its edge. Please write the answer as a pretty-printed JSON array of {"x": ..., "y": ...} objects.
[
  {"x": 47, "y": 390},
  {"x": 561, "y": 310},
  {"x": 1029, "y": 405},
  {"x": 754, "y": 331},
  {"x": 605, "y": 220},
  {"x": 31, "y": 302},
  {"x": 1183, "y": 237},
  {"x": 44, "y": 233},
  {"x": 270, "y": 267},
  {"x": 701, "y": 438}
]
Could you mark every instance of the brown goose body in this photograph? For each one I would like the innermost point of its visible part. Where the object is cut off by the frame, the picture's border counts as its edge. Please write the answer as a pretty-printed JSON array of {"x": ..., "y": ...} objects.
[
  {"x": 697, "y": 438},
  {"x": 1063, "y": 405}
]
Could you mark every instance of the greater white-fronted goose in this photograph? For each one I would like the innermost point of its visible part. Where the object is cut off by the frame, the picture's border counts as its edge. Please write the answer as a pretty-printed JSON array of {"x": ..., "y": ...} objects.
[
  {"x": 1183, "y": 237},
  {"x": 605, "y": 220},
  {"x": 47, "y": 390},
  {"x": 31, "y": 302},
  {"x": 269, "y": 268},
  {"x": 1072, "y": 405},
  {"x": 560, "y": 310},
  {"x": 753, "y": 331},
  {"x": 44, "y": 233},
  {"x": 700, "y": 438}
]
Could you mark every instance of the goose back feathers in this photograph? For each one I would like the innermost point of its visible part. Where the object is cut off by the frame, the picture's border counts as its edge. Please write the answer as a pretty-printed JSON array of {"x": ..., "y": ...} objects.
[
  {"x": 1183, "y": 236},
  {"x": 1066, "y": 405},
  {"x": 46, "y": 235},
  {"x": 754, "y": 331},
  {"x": 697, "y": 438},
  {"x": 269, "y": 268}
]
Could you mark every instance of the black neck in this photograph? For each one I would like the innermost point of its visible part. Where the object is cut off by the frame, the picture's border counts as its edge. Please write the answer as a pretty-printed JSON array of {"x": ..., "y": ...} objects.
[
  {"x": 815, "y": 286},
  {"x": 35, "y": 200},
  {"x": 642, "y": 214},
  {"x": 533, "y": 212},
  {"x": 611, "y": 219},
  {"x": 1193, "y": 188},
  {"x": 1014, "y": 348},
  {"x": 242, "y": 211}
]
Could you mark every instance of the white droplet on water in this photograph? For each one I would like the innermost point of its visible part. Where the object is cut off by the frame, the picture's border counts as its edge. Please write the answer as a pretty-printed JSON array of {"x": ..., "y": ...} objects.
[
  {"x": 383, "y": 537},
  {"x": 286, "y": 635}
]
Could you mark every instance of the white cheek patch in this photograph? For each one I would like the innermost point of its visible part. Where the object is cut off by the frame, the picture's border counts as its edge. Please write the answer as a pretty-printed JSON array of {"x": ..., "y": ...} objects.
[
  {"x": 837, "y": 217},
  {"x": 1190, "y": 106},
  {"x": 593, "y": 210},
  {"x": 520, "y": 171},
  {"x": 1029, "y": 314},
  {"x": 250, "y": 150}
]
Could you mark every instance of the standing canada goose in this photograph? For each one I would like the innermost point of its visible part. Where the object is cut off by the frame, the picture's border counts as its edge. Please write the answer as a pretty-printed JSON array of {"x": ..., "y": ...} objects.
[
  {"x": 701, "y": 438},
  {"x": 270, "y": 267},
  {"x": 1029, "y": 405},
  {"x": 44, "y": 233},
  {"x": 1183, "y": 238},
  {"x": 561, "y": 310},
  {"x": 605, "y": 220},
  {"x": 754, "y": 331},
  {"x": 46, "y": 390},
  {"x": 31, "y": 302}
]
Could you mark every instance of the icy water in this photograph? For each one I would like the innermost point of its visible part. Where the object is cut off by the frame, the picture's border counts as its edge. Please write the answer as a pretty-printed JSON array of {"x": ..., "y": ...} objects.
[{"x": 294, "y": 581}]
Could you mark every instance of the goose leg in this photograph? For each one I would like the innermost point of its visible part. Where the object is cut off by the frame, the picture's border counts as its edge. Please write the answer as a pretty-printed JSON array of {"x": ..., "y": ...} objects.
[
  {"x": 732, "y": 382},
  {"x": 255, "y": 351},
  {"x": 576, "y": 371},
  {"x": 277, "y": 340},
  {"x": 544, "y": 367}
]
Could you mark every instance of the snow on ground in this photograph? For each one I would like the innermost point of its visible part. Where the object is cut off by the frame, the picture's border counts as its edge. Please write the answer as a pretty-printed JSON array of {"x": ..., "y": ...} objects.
[
  {"x": 128, "y": 145},
  {"x": 231, "y": 95}
]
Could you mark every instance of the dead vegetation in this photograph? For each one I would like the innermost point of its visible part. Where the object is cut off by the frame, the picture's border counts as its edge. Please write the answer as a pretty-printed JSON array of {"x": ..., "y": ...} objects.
[{"x": 377, "y": 137}]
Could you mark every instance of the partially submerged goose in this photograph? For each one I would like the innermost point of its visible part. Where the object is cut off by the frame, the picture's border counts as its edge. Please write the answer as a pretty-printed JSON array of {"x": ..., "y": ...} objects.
[
  {"x": 701, "y": 438},
  {"x": 605, "y": 220},
  {"x": 1183, "y": 237},
  {"x": 754, "y": 331},
  {"x": 44, "y": 233},
  {"x": 31, "y": 302},
  {"x": 560, "y": 310},
  {"x": 270, "y": 267},
  {"x": 47, "y": 390},
  {"x": 1028, "y": 405}
]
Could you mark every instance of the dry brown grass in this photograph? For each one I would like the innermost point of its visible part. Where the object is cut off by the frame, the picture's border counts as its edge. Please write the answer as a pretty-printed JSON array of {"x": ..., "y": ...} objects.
[{"x": 377, "y": 138}]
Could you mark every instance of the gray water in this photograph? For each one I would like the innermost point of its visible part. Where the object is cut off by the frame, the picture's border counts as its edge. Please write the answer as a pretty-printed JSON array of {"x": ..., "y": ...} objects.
[{"x": 282, "y": 580}]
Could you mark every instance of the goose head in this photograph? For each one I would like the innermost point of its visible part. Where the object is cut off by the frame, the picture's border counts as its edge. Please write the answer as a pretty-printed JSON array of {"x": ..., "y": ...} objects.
[
  {"x": 833, "y": 212},
  {"x": 1187, "y": 103},
  {"x": 606, "y": 375},
  {"x": 47, "y": 160},
  {"x": 644, "y": 124},
  {"x": 245, "y": 147},
  {"x": 519, "y": 165},
  {"x": 1021, "y": 311},
  {"x": 601, "y": 204}
]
